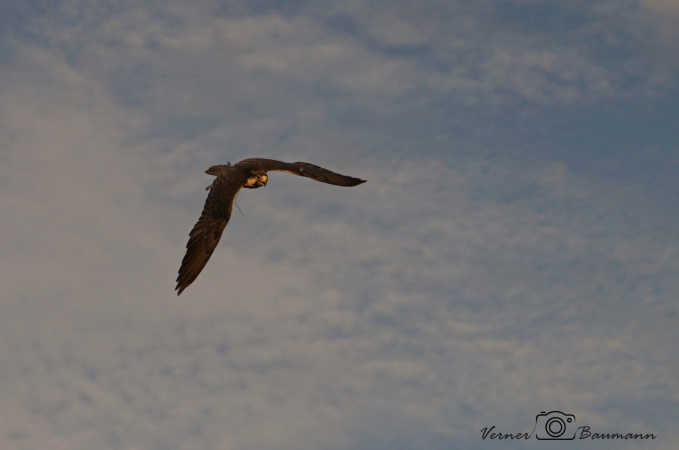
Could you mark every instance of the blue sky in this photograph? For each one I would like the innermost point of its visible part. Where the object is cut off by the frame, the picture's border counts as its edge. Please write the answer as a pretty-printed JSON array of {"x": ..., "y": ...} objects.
[{"x": 513, "y": 251}]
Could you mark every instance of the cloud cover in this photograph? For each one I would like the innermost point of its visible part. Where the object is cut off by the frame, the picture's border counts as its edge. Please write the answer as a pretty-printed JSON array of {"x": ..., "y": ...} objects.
[{"x": 500, "y": 261}]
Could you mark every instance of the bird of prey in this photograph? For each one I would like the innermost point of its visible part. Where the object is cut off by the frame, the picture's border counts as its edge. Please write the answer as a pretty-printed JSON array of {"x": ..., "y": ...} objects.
[{"x": 249, "y": 173}]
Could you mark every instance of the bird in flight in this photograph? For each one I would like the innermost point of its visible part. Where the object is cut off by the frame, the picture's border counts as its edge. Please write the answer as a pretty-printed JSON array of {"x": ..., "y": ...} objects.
[{"x": 250, "y": 173}]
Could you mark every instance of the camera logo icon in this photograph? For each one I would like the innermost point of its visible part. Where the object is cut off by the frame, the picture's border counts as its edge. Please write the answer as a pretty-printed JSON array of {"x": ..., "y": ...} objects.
[{"x": 555, "y": 426}]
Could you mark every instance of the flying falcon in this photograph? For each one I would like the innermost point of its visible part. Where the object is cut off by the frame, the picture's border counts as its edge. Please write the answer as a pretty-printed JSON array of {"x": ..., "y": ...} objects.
[{"x": 249, "y": 173}]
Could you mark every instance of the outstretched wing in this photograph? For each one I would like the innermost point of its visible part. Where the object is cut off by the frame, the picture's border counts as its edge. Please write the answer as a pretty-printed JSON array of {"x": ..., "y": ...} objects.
[
  {"x": 205, "y": 234},
  {"x": 299, "y": 168}
]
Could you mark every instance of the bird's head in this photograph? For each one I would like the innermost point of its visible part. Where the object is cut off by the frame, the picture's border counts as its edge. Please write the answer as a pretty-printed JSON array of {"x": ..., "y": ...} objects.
[{"x": 256, "y": 180}]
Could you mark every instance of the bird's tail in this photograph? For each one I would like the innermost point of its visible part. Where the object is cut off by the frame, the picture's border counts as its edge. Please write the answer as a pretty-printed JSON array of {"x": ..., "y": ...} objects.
[{"x": 216, "y": 170}]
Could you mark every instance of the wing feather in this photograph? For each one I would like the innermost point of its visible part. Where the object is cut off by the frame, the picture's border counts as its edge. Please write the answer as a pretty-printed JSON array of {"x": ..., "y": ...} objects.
[
  {"x": 205, "y": 234},
  {"x": 302, "y": 169}
]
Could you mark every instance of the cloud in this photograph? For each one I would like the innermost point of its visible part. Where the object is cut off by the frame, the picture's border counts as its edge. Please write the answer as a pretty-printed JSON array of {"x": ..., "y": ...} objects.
[
  {"x": 451, "y": 291},
  {"x": 368, "y": 58},
  {"x": 662, "y": 6},
  {"x": 664, "y": 15}
]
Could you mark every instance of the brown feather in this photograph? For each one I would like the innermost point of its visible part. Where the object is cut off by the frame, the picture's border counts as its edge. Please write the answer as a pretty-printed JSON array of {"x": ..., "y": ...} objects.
[
  {"x": 302, "y": 169},
  {"x": 205, "y": 234}
]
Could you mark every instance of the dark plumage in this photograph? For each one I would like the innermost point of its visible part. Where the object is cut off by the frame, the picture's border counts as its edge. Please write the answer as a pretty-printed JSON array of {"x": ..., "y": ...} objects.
[{"x": 249, "y": 173}]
